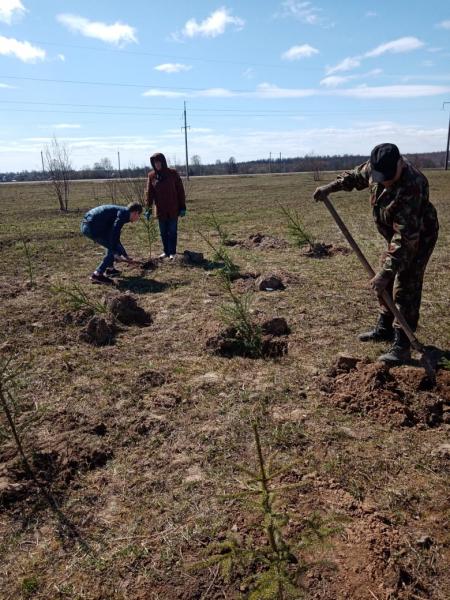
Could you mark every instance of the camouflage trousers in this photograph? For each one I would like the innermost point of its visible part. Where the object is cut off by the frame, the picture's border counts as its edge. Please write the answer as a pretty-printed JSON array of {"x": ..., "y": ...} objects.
[{"x": 406, "y": 287}]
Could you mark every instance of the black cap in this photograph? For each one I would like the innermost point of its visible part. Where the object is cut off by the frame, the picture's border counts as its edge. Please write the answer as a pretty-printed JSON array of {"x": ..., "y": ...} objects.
[{"x": 383, "y": 160}]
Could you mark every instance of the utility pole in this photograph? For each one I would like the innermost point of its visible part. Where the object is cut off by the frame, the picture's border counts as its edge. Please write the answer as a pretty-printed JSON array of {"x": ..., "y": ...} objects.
[
  {"x": 42, "y": 161},
  {"x": 186, "y": 127},
  {"x": 118, "y": 161},
  {"x": 448, "y": 138},
  {"x": 270, "y": 162},
  {"x": 280, "y": 163}
]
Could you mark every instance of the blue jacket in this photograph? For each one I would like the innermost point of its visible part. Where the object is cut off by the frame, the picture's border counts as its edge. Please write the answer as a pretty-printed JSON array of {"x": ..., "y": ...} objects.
[{"x": 106, "y": 222}]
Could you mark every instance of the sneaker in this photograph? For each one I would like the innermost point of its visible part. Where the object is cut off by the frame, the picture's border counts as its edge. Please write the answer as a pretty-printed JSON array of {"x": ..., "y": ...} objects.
[
  {"x": 100, "y": 278},
  {"x": 163, "y": 255},
  {"x": 172, "y": 257},
  {"x": 113, "y": 272}
]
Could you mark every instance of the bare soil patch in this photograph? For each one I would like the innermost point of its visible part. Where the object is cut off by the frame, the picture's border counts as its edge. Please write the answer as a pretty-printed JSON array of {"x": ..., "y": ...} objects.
[
  {"x": 260, "y": 241},
  {"x": 322, "y": 250},
  {"x": 126, "y": 310},
  {"x": 391, "y": 396}
]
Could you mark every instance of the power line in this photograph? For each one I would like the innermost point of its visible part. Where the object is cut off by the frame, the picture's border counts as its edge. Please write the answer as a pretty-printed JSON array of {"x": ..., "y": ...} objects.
[
  {"x": 114, "y": 84},
  {"x": 205, "y": 111},
  {"x": 175, "y": 57}
]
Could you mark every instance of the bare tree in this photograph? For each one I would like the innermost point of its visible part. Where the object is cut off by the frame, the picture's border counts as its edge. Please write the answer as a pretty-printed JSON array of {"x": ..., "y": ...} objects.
[
  {"x": 58, "y": 166},
  {"x": 133, "y": 188}
]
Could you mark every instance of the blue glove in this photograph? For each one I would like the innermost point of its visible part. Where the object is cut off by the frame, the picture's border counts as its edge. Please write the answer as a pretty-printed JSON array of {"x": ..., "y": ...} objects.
[
  {"x": 183, "y": 212},
  {"x": 148, "y": 214}
]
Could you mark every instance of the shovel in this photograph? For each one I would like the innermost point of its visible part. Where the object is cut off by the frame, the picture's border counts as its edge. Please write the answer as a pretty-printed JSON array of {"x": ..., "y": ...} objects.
[{"x": 386, "y": 297}]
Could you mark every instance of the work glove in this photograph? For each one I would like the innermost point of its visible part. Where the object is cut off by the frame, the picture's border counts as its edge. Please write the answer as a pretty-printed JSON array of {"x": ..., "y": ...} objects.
[
  {"x": 322, "y": 192},
  {"x": 182, "y": 212},
  {"x": 148, "y": 214},
  {"x": 380, "y": 282}
]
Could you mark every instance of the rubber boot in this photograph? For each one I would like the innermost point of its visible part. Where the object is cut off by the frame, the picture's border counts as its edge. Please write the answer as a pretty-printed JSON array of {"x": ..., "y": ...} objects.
[
  {"x": 400, "y": 352},
  {"x": 383, "y": 331}
]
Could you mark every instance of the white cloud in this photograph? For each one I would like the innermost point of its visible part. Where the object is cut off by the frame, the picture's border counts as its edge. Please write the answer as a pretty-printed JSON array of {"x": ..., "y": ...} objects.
[
  {"x": 248, "y": 73},
  {"x": 244, "y": 144},
  {"x": 268, "y": 90},
  {"x": 158, "y": 93},
  {"x": 212, "y": 26},
  {"x": 172, "y": 67},
  {"x": 24, "y": 51},
  {"x": 333, "y": 81},
  {"x": 444, "y": 24},
  {"x": 66, "y": 126},
  {"x": 404, "y": 44},
  {"x": 347, "y": 64},
  {"x": 297, "y": 52},
  {"x": 304, "y": 12},
  {"x": 11, "y": 10},
  {"x": 401, "y": 45},
  {"x": 61, "y": 57},
  {"x": 117, "y": 33},
  {"x": 271, "y": 91},
  {"x": 6, "y": 86},
  {"x": 393, "y": 91},
  {"x": 370, "y": 14}
]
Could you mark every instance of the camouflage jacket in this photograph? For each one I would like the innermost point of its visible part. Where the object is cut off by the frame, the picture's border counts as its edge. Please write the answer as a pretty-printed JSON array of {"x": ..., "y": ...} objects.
[{"x": 402, "y": 213}]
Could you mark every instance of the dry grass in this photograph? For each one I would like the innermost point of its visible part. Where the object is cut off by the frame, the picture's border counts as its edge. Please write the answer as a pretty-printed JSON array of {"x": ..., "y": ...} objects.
[{"x": 172, "y": 450}]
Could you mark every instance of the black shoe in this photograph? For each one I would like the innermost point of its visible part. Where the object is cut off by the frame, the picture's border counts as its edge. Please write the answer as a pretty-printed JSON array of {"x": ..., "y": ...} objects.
[
  {"x": 112, "y": 272},
  {"x": 100, "y": 278},
  {"x": 383, "y": 331},
  {"x": 400, "y": 352}
]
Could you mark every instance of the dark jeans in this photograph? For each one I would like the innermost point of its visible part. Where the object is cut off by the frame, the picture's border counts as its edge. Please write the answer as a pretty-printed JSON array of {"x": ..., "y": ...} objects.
[
  {"x": 169, "y": 231},
  {"x": 108, "y": 260}
]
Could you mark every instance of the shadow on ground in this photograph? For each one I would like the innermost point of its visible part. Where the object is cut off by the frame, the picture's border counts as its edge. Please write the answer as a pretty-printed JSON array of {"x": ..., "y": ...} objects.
[{"x": 140, "y": 285}]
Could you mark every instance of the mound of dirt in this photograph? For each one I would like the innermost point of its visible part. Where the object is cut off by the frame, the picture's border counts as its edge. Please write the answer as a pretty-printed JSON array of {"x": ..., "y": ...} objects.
[
  {"x": 230, "y": 342},
  {"x": 322, "y": 250},
  {"x": 98, "y": 331},
  {"x": 55, "y": 464},
  {"x": 397, "y": 396},
  {"x": 193, "y": 258},
  {"x": 126, "y": 310},
  {"x": 150, "y": 265},
  {"x": 270, "y": 282},
  {"x": 260, "y": 241}
]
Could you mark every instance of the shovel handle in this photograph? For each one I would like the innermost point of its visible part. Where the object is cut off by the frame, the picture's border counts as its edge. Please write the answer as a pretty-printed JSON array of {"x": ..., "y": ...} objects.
[{"x": 386, "y": 297}]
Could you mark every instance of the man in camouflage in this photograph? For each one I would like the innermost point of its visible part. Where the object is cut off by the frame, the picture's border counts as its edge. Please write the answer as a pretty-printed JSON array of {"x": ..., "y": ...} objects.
[{"x": 408, "y": 221}]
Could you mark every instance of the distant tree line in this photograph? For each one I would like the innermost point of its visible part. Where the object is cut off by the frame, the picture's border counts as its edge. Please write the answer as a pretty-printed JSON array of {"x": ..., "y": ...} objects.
[{"x": 103, "y": 169}]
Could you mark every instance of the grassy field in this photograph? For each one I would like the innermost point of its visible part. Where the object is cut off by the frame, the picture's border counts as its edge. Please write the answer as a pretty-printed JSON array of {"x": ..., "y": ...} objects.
[{"x": 141, "y": 442}]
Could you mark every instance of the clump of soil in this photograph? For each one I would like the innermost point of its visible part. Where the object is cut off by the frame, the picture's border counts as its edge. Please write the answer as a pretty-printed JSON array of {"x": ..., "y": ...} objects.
[
  {"x": 126, "y": 310},
  {"x": 270, "y": 282},
  {"x": 394, "y": 396},
  {"x": 259, "y": 241},
  {"x": 229, "y": 342},
  {"x": 150, "y": 265},
  {"x": 322, "y": 250},
  {"x": 98, "y": 331},
  {"x": 78, "y": 317},
  {"x": 193, "y": 258}
]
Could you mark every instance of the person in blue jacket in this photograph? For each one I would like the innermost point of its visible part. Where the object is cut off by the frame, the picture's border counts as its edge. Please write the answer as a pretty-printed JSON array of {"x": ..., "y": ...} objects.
[{"x": 103, "y": 225}]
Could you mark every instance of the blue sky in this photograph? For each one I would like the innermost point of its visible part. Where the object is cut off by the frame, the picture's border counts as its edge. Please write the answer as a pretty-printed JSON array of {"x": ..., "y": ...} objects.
[{"x": 287, "y": 76}]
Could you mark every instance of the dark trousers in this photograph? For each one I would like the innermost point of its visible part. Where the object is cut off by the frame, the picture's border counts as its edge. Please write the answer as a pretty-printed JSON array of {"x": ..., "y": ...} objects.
[
  {"x": 108, "y": 259},
  {"x": 406, "y": 288},
  {"x": 169, "y": 231}
]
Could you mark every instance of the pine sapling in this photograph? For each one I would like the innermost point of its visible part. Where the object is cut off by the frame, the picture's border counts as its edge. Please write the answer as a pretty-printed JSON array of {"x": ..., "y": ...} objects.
[
  {"x": 78, "y": 298},
  {"x": 11, "y": 409},
  {"x": 296, "y": 228},
  {"x": 236, "y": 314}
]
